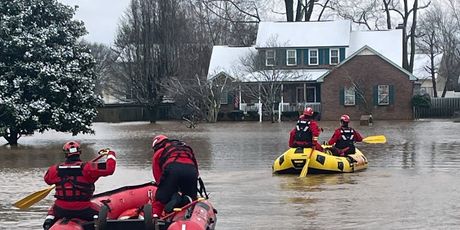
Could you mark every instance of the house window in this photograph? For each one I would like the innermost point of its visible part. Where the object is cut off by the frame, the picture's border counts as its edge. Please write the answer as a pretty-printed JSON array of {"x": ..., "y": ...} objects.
[
  {"x": 349, "y": 96},
  {"x": 383, "y": 95},
  {"x": 270, "y": 58},
  {"x": 291, "y": 57},
  {"x": 224, "y": 98},
  {"x": 334, "y": 57},
  {"x": 311, "y": 94},
  {"x": 313, "y": 57}
]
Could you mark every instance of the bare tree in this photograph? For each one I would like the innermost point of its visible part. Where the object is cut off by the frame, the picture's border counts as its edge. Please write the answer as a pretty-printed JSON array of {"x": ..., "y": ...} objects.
[
  {"x": 440, "y": 33},
  {"x": 201, "y": 97},
  {"x": 428, "y": 43},
  {"x": 408, "y": 16},
  {"x": 148, "y": 43},
  {"x": 304, "y": 9},
  {"x": 230, "y": 22},
  {"x": 105, "y": 58},
  {"x": 365, "y": 13},
  {"x": 264, "y": 83},
  {"x": 358, "y": 85}
]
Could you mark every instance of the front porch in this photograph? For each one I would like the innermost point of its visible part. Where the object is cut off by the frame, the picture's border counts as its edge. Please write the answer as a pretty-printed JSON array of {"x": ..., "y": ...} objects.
[
  {"x": 284, "y": 109},
  {"x": 292, "y": 99}
]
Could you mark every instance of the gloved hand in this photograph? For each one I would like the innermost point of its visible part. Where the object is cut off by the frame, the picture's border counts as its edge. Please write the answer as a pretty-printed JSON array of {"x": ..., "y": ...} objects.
[
  {"x": 104, "y": 151},
  {"x": 48, "y": 223}
]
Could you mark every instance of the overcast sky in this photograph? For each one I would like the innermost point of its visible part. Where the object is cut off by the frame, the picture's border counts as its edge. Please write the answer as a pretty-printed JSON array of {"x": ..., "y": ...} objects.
[{"x": 101, "y": 17}]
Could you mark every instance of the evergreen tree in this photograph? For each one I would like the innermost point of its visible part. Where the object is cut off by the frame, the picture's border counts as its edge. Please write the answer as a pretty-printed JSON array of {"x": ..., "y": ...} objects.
[{"x": 46, "y": 75}]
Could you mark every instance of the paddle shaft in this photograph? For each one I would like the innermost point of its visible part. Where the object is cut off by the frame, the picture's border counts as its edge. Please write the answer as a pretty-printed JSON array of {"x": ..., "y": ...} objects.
[{"x": 304, "y": 171}]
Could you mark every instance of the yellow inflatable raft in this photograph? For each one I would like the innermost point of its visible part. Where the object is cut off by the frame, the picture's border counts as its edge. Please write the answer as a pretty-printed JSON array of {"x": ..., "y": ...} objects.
[{"x": 293, "y": 160}]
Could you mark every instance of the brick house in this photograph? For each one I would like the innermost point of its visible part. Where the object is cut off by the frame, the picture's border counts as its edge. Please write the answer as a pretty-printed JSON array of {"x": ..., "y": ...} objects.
[
  {"x": 325, "y": 65},
  {"x": 367, "y": 83}
]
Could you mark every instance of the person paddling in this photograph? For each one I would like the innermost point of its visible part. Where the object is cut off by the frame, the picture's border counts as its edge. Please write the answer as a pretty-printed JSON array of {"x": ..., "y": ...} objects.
[
  {"x": 344, "y": 138},
  {"x": 306, "y": 132},
  {"x": 74, "y": 182}
]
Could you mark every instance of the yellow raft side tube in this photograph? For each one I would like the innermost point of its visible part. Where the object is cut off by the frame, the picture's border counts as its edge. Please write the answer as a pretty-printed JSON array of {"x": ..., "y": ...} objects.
[{"x": 293, "y": 160}]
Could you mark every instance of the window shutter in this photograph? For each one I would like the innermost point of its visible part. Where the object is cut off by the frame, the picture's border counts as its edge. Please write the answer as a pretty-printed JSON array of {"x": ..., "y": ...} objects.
[
  {"x": 375, "y": 94},
  {"x": 299, "y": 56},
  {"x": 342, "y": 96},
  {"x": 391, "y": 94},
  {"x": 342, "y": 54},
  {"x": 357, "y": 97},
  {"x": 305, "y": 56},
  {"x": 323, "y": 56},
  {"x": 281, "y": 57}
]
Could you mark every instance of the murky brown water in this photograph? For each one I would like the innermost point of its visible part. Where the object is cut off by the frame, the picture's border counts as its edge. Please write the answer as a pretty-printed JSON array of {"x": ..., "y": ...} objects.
[{"x": 412, "y": 181}]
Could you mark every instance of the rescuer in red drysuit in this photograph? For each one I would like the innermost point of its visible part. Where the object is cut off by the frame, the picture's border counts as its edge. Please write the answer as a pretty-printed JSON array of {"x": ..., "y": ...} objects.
[
  {"x": 344, "y": 138},
  {"x": 306, "y": 132},
  {"x": 175, "y": 169},
  {"x": 74, "y": 182}
]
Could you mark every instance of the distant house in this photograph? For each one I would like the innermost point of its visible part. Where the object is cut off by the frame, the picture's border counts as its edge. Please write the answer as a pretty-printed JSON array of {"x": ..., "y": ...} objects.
[
  {"x": 331, "y": 67},
  {"x": 422, "y": 65}
]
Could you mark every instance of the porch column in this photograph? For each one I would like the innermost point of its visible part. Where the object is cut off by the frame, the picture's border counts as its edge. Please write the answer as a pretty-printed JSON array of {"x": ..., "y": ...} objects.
[
  {"x": 280, "y": 107},
  {"x": 304, "y": 96},
  {"x": 260, "y": 106},
  {"x": 239, "y": 97}
]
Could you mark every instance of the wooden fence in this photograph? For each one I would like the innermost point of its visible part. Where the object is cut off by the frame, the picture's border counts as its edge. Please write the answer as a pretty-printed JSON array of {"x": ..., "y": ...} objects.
[{"x": 440, "y": 108}]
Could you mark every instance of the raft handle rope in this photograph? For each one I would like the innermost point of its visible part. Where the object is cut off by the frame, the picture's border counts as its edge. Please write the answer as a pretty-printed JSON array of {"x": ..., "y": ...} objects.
[{"x": 202, "y": 189}]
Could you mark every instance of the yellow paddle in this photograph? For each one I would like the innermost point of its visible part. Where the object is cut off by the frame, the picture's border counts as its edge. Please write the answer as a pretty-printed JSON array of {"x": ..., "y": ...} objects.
[
  {"x": 35, "y": 197},
  {"x": 380, "y": 139},
  {"x": 304, "y": 171}
]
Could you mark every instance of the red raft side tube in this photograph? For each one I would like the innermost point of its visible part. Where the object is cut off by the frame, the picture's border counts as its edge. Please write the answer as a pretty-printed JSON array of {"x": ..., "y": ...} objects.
[
  {"x": 126, "y": 198},
  {"x": 118, "y": 201},
  {"x": 198, "y": 215}
]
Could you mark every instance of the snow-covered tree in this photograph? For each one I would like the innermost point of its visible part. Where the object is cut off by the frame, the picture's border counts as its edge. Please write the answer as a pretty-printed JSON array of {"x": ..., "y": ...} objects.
[{"x": 46, "y": 74}]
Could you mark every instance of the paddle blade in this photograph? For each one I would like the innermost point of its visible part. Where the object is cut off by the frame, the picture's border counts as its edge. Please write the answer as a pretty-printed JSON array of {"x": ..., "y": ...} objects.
[
  {"x": 33, "y": 198},
  {"x": 304, "y": 171},
  {"x": 380, "y": 139}
]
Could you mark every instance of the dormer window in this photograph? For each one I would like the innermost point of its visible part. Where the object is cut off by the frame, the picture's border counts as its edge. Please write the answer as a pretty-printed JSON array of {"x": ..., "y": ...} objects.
[
  {"x": 334, "y": 56},
  {"x": 269, "y": 57},
  {"x": 313, "y": 57},
  {"x": 291, "y": 57}
]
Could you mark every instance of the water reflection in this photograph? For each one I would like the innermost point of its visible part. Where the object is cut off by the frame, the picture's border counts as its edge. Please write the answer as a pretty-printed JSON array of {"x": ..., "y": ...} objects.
[{"x": 411, "y": 183}]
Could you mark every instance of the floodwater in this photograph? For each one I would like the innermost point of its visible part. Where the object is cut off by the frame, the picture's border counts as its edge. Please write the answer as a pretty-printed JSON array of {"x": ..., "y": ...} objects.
[{"x": 412, "y": 181}]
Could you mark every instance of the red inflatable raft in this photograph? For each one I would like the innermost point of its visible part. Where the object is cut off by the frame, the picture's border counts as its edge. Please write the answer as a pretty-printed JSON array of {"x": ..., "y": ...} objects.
[{"x": 129, "y": 208}]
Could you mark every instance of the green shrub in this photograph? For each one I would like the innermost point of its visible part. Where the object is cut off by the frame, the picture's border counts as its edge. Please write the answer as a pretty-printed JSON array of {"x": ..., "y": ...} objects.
[{"x": 421, "y": 101}]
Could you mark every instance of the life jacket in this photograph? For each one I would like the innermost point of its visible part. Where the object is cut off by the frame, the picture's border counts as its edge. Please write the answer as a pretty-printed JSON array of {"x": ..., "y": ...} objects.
[
  {"x": 347, "y": 138},
  {"x": 72, "y": 185},
  {"x": 303, "y": 135},
  {"x": 174, "y": 150}
]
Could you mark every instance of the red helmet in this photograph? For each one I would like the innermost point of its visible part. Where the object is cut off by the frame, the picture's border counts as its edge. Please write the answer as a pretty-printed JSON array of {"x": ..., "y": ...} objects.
[
  {"x": 71, "y": 148},
  {"x": 345, "y": 118},
  {"x": 158, "y": 139},
  {"x": 308, "y": 111}
]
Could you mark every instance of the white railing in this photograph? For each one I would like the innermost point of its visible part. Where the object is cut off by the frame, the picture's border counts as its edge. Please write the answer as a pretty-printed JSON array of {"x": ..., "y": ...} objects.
[
  {"x": 245, "y": 107},
  {"x": 289, "y": 107}
]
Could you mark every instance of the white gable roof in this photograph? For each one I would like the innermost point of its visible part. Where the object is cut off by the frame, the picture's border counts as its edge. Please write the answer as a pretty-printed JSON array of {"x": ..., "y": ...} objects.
[
  {"x": 366, "y": 50},
  {"x": 388, "y": 43},
  {"x": 226, "y": 59},
  {"x": 303, "y": 34}
]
